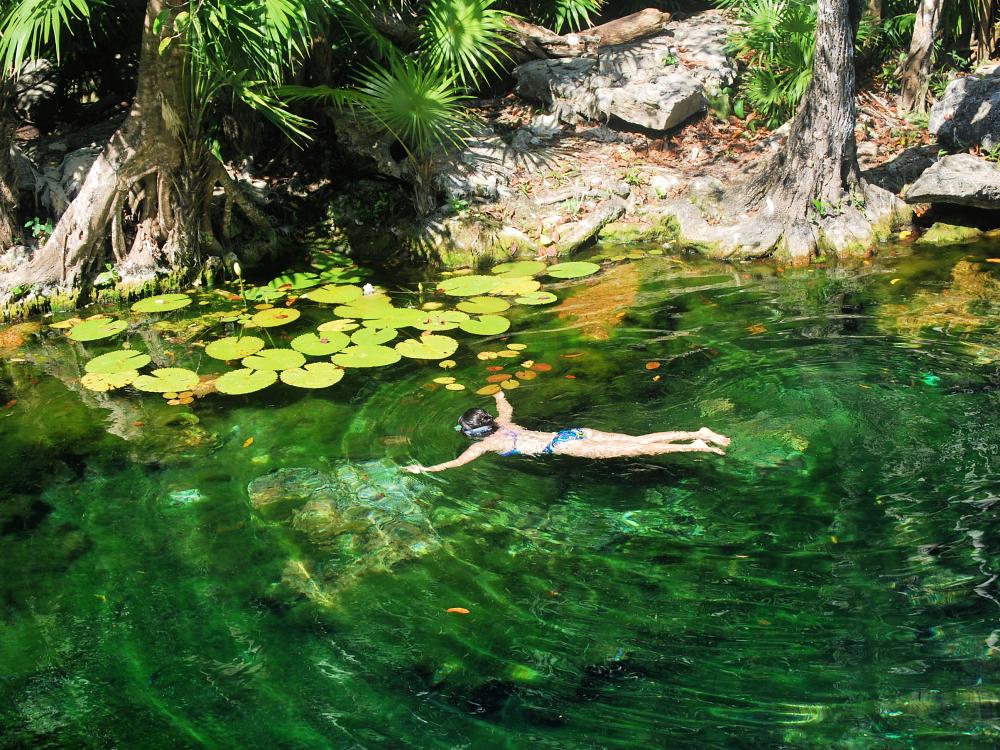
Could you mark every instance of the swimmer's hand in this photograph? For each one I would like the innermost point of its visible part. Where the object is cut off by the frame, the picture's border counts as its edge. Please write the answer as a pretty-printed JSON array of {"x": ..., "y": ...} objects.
[{"x": 413, "y": 468}]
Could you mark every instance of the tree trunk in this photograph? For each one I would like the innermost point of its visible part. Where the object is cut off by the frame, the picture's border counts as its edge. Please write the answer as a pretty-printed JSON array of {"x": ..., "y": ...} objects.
[
  {"x": 875, "y": 10},
  {"x": 916, "y": 68},
  {"x": 8, "y": 180},
  {"x": 818, "y": 166},
  {"x": 984, "y": 23}
]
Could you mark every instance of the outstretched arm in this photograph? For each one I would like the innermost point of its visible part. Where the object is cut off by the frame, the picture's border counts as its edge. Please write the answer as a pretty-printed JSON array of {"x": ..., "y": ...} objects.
[
  {"x": 504, "y": 410},
  {"x": 471, "y": 454}
]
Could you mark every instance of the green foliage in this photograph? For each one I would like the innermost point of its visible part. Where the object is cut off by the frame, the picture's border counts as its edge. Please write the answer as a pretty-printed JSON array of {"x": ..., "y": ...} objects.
[
  {"x": 33, "y": 25},
  {"x": 464, "y": 37},
  {"x": 560, "y": 15},
  {"x": 39, "y": 230}
]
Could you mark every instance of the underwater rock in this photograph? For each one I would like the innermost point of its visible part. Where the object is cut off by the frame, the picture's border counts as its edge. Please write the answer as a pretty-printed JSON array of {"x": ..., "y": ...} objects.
[{"x": 358, "y": 519}]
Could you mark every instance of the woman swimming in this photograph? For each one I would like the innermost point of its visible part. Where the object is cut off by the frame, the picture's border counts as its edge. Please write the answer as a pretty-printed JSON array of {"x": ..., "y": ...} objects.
[{"x": 501, "y": 435}]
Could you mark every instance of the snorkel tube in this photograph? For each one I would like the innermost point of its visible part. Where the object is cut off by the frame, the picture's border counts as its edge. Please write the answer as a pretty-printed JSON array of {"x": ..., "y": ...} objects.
[{"x": 476, "y": 433}]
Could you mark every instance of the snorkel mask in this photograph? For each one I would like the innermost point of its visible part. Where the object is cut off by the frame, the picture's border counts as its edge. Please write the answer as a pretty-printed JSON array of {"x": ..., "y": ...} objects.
[{"x": 476, "y": 433}]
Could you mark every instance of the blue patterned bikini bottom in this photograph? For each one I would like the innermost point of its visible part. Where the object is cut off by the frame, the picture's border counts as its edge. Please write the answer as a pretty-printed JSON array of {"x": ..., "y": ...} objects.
[{"x": 564, "y": 436}]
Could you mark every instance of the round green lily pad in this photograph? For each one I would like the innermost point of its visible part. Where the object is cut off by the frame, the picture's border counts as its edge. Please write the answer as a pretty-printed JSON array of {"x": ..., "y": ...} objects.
[
  {"x": 340, "y": 324},
  {"x": 262, "y": 294},
  {"x": 483, "y": 305},
  {"x": 122, "y": 360},
  {"x": 366, "y": 356},
  {"x": 468, "y": 286},
  {"x": 373, "y": 336},
  {"x": 232, "y": 347},
  {"x": 427, "y": 347},
  {"x": 398, "y": 317},
  {"x": 313, "y": 375},
  {"x": 161, "y": 303},
  {"x": 441, "y": 320},
  {"x": 372, "y": 306},
  {"x": 97, "y": 328},
  {"x": 294, "y": 281},
  {"x": 275, "y": 316},
  {"x": 520, "y": 268},
  {"x": 167, "y": 380},
  {"x": 485, "y": 325},
  {"x": 512, "y": 286},
  {"x": 238, "y": 382},
  {"x": 536, "y": 298},
  {"x": 108, "y": 381},
  {"x": 573, "y": 269},
  {"x": 320, "y": 344},
  {"x": 274, "y": 359},
  {"x": 332, "y": 294}
]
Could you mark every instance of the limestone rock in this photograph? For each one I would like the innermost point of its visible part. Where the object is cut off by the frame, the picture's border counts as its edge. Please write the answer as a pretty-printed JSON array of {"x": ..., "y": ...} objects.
[
  {"x": 578, "y": 233},
  {"x": 969, "y": 112},
  {"x": 655, "y": 83},
  {"x": 961, "y": 179}
]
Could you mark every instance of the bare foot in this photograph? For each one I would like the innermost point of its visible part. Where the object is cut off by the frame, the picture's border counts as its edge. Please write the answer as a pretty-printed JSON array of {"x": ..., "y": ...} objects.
[
  {"x": 713, "y": 437},
  {"x": 701, "y": 445}
]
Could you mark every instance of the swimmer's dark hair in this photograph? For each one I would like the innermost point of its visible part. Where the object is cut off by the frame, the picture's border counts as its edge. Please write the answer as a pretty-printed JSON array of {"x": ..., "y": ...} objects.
[{"x": 477, "y": 423}]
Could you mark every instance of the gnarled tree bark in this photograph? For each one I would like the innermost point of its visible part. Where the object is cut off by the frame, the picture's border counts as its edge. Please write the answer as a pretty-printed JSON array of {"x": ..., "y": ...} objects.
[{"x": 8, "y": 180}]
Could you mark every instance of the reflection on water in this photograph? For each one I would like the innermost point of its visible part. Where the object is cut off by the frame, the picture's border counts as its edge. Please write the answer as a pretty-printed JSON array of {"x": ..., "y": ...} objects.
[{"x": 832, "y": 582}]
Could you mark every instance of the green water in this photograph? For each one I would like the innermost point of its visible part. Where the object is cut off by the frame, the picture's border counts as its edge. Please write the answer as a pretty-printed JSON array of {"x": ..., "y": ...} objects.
[{"x": 830, "y": 583}]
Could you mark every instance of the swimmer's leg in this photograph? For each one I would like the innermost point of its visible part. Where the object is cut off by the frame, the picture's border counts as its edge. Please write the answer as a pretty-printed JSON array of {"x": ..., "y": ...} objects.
[
  {"x": 672, "y": 437},
  {"x": 695, "y": 446},
  {"x": 630, "y": 448}
]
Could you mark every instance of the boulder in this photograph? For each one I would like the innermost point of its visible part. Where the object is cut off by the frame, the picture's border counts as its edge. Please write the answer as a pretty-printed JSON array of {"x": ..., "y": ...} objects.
[
  {"x": 961, "y": 179},
  {"x": 655, "y": 83},
  {"x": 969, "y": 112}
]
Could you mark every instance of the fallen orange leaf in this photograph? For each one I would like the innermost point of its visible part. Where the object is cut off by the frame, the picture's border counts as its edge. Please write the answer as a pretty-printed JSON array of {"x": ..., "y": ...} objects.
[
  {"x": 498, "y": 378},
  {"x": 10, "y": 403},
  {"x": 541, "y": 367},
  {"x": 756, "y": 328},
  {"x": 248, "y": 442},
  {"x": 572, "y": 355},
  {"x": 458, "y": 610},
  {"x": 138, "y": 424},
  {"x": 652, "y": 365},
  {"x": 494, "y": 368},
  {"x": 571, "y": 377}
]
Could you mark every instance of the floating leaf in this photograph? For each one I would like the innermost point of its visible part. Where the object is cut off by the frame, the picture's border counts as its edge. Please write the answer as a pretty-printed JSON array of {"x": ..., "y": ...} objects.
[
  {"x": 541, "y": 367},
  {"x": 526, "y": 374},
  {"x": 366, "y": 356},
  {"x": 428, "y": 347},
  {"x": 313, "y": 375},
  {"x": 161, "y": 303},
  {"x": 468, "y": 286},
  {"x": 507, "y": 353},
  {"x": 447, "y": 364},
  {"x": 441, "y": 321},
  {"x": 239, "y": 382},
  {"x": 97, "y": 328},
  {"x": 444, "y": 380},
  {"x": 372, "y": 306},
  {"x": 489, "y": 390},
  {"x": 248, "y": 442},
  {"x": 536, "y": 298},
  {"x": 432, "y": 306},
  {"x": 107, "y": 381},
  {"x": 337, "y": 325},
  {"x": 486, "y": 355},
  {"x": 509, "y": 385},
  {"x": 483, "y": 305},
  {"x": 520, "y": 268},
  {"x": 122, "y": 360},
  {"x": 274, "y": 359},
  {"x": 320, "y": 345},
  {"x": 399, "y": 317},
  {"x": 498, "y": 377},
  {"x": 458, "y": 610},
  {"x": 333, "y": 294},
  {"x": 294, "y": 281},
  {"x": 455, "y": 387},
  {"x": 485, "y": 325},
  {"x": 233, "y": 347},
  {"x": 654, "y": 365},
  {"x": 573, "y": 269},
  {"x": 373, "y": 336},
  {"x": 277, "y": 316},
  {"x": 68, "y": 323},
  {"x": 516, "y": 286},
  {"x": 262, "y": 292},
  {"x": 166, "y": 379}
]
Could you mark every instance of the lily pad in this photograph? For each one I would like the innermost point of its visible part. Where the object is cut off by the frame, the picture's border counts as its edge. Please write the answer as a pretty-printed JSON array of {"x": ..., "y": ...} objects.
[
  {"x": 468, "y": 286},
  {"x": 238, "y": 382},
  {"x": 520, "y": 268},
  {"x": 340, "y": 324},
  {"x": 274, "y": 359},
  {"x": 294, "y": 281},
  {"x": 536, "y": 298},
  {"x": 373, "y": 336},
  {"x": 275, "y": 316},
  {"x": 320, "y": 345},
  {"x": 511, "y": 286},
  {"x": 428, "y": 347},
  {"x": 161, "y": 303},
  {"x": 398, "y": 317},
  {"x": 444, "y": 320},
  {"x": 486, "y": 325},
  {"x": 233, "y": 347},
  {"x": 573, "y": 269},
  {"x": 97, "y": 328},
  {"x": 262, "y": 293},
  {"x": 332, "y": 294},
  {"x": 372, "y": 306},
  {"x": 483, "y": 305},
  {"x": 313, "y": 375},
  {"x": 108, "y": 381},
  {"x": 123, "y": 360},
  {"x": 366, "y": 356},
  {"x": 167, "y": 379}
]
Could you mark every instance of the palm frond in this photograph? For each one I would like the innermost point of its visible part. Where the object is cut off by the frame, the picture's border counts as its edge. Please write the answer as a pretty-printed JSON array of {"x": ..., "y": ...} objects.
[
  {"x": 34, "y": 25},
  {"x": 465, "y": 36}
]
